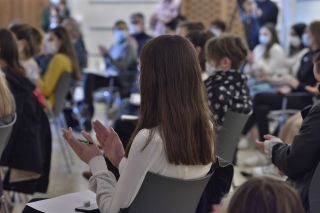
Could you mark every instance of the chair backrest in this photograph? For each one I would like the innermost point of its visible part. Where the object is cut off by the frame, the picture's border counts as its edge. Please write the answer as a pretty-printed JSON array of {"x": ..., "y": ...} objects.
[
  {"x": 314, "y": 191},
  {"x": 229, "y": 134},
  {"x": 160, "y": 194},
  {"x": 5, "y": 132},
  {"x": 61, "y": 91}
]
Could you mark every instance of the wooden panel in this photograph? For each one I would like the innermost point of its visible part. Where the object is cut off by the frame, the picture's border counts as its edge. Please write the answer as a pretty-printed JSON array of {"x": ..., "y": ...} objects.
[
  {"x": 27, "y": 11},
  {"x": 208, "y": 10}
]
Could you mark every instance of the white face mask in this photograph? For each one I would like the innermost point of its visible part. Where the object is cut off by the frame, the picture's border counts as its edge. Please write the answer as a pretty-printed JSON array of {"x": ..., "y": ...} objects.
[
  {"x": 51, "y": 47},
  {"x": 295, "y": 41},
  {"x": 210, "y": 68},
  {"x": 217, "y": 32}
]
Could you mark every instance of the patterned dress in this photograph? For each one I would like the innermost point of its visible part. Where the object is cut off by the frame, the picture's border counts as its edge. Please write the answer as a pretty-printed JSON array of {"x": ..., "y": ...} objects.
[{"x": 228, "y": 91}]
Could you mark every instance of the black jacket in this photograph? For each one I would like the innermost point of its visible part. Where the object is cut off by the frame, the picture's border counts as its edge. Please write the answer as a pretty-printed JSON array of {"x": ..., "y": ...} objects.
[
  {"x": 299, "y": 160},
  {"x": 29, "y": 147}
]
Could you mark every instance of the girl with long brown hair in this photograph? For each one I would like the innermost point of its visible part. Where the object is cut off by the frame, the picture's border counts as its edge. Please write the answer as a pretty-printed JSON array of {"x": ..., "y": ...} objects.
[
  {"x": 174, "y": 137},
  {"x": 64, "y": 60}
]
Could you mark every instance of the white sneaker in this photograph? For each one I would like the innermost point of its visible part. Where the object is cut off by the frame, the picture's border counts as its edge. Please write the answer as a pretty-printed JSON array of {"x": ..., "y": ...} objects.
[
  {"x": 256, "y": 160},
  {"x": 268, "y": 171}
]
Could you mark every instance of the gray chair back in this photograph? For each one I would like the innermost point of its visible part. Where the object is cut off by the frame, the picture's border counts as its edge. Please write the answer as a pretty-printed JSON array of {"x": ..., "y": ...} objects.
[
  {"x": 314, "y": 191},
  {"x": 5, "y": 132},
  {"x": 61, "y": 91},
  {"x": 159, "y": 194},
  {"x": 229, "y": 134}
]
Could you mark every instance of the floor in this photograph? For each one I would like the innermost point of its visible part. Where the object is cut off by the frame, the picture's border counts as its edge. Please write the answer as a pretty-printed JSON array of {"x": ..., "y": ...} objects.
[{"x": 62, "y": 182}]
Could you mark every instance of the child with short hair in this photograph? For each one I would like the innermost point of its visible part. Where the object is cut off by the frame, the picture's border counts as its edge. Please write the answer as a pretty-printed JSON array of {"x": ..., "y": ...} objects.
[{"x": 227, "y": 86}]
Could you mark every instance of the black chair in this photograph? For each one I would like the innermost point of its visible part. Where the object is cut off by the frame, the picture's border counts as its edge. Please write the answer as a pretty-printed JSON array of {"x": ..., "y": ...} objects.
[
  {"x": 159, "y": 194},
  {"x": 314, "y": 191},
  {"x": 229, "y": 135}
]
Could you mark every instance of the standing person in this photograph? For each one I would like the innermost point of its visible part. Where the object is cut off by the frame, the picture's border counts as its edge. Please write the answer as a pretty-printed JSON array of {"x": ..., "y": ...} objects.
[
  {"x": 164, "y": 13},
  {"x": 120, "y": 58},
  {"x": 54, "y": 14},
  {"x": 267, "y": 12},
  {"x": 29, "y": 46},
  {"x": 75, "y": 34},
  {"x": 175, "y": 135},
  {"x": 226, "y": 87},
  {"x": 64, "y": 60},
  {"x": 138, "y": 31}
]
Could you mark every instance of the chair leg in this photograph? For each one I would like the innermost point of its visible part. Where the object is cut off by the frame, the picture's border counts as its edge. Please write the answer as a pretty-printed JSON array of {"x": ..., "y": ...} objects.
[
  {"x": 67, "y": 147},
  {"x": 61, "y": 142}
]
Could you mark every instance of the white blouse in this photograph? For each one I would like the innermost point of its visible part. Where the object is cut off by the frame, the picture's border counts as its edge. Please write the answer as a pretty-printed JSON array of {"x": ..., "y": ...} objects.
[
  {"x": 274, "y": 65},
  {"x": 113, "y": 195}
]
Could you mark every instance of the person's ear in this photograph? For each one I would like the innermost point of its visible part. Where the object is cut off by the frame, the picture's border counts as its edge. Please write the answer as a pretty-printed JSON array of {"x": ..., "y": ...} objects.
[{"x": 225, "y": 63}]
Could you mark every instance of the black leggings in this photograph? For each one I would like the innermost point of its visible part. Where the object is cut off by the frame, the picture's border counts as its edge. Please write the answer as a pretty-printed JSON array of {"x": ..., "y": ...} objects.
[{"x": 263, "y": 103}]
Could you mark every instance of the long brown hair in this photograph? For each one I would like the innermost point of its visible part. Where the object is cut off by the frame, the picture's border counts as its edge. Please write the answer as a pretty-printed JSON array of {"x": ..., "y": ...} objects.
[
  {"x": 32, "y": 37},
  {"x": 173, "y": 99},
  {"x": 9, "y": 52},
  {"x": 7, "y": 104},
  {"x": 265, "y": 195},
  {"x": 274, "y": 38},
  {"x": 68, "y": 49},
  {"x": 314, "y": 29}
]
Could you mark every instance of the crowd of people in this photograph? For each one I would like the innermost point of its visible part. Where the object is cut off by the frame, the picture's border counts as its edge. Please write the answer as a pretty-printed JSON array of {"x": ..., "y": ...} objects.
[{"x": 187, "y": 77}]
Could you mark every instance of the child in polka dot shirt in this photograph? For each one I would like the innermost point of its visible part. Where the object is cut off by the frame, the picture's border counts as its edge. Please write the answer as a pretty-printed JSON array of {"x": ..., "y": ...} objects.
[{"x": 227, "y": 86}]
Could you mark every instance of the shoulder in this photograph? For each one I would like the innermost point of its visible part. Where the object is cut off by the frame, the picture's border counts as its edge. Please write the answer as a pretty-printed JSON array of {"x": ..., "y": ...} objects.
[
  {"x": 59, "y": 57},
  {"x": 277, "y": 48},
  {"x": 144, "y": 136}
]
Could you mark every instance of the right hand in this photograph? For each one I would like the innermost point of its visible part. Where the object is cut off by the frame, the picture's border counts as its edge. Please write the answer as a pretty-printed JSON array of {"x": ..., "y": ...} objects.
[
  {"x": 110, "y": 143},
  {"x": 313, "y": 90}
]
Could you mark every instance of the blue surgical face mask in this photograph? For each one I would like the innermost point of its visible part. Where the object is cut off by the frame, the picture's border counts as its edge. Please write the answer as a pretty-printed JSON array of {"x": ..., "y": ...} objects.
[
  {"x": 134, "y": 29},
  {"x": 305, "y": 39},
  {"x": 264, "y": 39},
  {"x": 120, "y": 35}
]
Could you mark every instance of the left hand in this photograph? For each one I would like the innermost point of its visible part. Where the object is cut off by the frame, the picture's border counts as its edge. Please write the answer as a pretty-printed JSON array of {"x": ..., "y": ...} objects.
[
  {"x": 284, "y": 90},
  {"x": 260, "y": 144},
  {"x": 313, "y": 90},
  {"x": 291, "y": 81},
  {"x": 84, "y": 151}
]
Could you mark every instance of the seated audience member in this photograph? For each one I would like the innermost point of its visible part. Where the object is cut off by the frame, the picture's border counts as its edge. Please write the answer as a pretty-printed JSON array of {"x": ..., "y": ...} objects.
[
  {"x": 267, "y": 62},
  {"x": 298, "y": 160},
  {"x": 29, "y": 46},
  {"x": 175, "y": 134},
  {"x": 64, "y": 60},
  {"x": 7, "y": 104},
  {"x": 120, "y": 58},
  {"x": 263, "y": 195},
  {"x": 137, "y": 30},
  {"x": 218, "y": 27},
  {"x": 186, "y": 27},
  {"x": 263, "y": 103},
  {"x": 28, "y": 152},
  {"x": 54, "y": 14},
  {"x": 199, "y": 40},
  {"x": 75, "y": 34},
  {"x": 227, "y": 87},
  {"x": 297, "y": 49}
]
